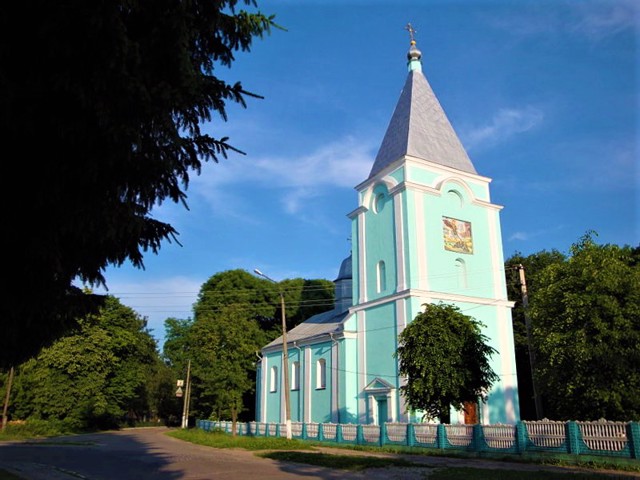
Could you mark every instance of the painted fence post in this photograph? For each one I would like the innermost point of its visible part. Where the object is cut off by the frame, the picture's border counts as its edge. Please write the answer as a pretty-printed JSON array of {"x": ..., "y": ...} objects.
[
  {"x": 521, "y": 437},
  {"x": 633, "y": 436},
  {"x": 573, "y": 438},
  {"x": 441, "y": 437},
  {"x": 359, "y": 435},
  {"x": 278, "y": 429},
  {"x": 411, "y": 435},
  {"x": 339, "y": 438},
  {"x": 304, "y": 431},
  {"x": 383, "y": 434},
  {"x": 320, "y": 433},
  {"x": 478, "y": 438}
]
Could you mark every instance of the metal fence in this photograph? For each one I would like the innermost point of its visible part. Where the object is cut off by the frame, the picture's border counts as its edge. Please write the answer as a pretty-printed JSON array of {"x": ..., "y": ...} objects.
[{"x": 603, "y": 438}]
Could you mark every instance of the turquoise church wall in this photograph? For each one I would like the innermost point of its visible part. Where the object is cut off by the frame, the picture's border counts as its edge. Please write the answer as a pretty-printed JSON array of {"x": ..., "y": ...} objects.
[
  {"x": 380, "y": 340},
  {"x": 321, "y": 397},
  {"x": 457, "y": 272},
  {"x": 381, "y": 257},
  {"x": 258, "y": 403},
  {"x": 273, "y": 398},
  {"x": 296, "y": 396},
  {"x": 348, "y": 381}
]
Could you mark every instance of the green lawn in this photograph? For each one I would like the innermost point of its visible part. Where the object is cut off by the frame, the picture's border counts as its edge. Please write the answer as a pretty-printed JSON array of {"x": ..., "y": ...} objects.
[{"x": 300, "y": 451}]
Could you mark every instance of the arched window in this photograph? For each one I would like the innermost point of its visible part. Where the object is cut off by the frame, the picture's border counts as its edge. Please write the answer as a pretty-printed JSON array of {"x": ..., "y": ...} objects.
[
  {"x": 455, "y": 198},
  {"x": 461, "y": 273},
  {"x": 295, "y": 376},
  {"x": 321, "y": 373},
  {"x": 273, "y": 381},
  {"x": 381, "y": 274},
  {"x": 378, "y": 202}
]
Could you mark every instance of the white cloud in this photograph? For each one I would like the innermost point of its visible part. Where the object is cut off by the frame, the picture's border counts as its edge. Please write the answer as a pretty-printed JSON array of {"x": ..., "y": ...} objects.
[
  {"x": 342, "y": 164},
  {"x": 503, "y": 125},
  {"x": 606, "y": 19},
  {"x": 519, "y": 236},
  {"x": 591, "y": 19},
  {"x": 524, "y": 236}
]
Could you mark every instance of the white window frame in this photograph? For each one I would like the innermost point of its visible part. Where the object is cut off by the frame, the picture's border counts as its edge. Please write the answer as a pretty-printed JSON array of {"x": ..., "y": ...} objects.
[
  {"x": 321, "y": 374},
  {"x": 295, "y": 375},
  {"x": 381, "y": 271},
  {"x": 273, "y": 380}
]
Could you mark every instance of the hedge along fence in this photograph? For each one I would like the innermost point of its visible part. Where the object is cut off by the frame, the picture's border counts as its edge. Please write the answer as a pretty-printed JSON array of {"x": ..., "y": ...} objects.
[{"x": 611, "y": 439}]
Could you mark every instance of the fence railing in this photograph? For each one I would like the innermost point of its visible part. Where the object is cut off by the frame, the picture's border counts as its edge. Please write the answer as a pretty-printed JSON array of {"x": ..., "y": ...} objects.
[{"x": 604, "y": 438}]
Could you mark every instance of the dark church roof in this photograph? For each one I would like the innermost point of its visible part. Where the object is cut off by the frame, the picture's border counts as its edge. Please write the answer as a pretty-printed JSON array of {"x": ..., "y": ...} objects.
[
  {"x": 419, "y": 127},
  {"x": 345, "y": 270},
  {"x": 324, "y": 323},
  {"x": 321, "y": 324}
]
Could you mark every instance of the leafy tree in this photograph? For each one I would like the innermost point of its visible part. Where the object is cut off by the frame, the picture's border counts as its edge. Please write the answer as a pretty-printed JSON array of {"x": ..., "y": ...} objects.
[
  {"x": 235, "y": 357},
  {"x": 445, "y": 358},
  {"x": 304, "y": 299},
  {"x": 161, "y": 400},
  {"x": 175, "y": 347},
  {"x": 108, "y": 100},
  {"x": 94, "y": 377},
  {"x": 256, "y": 297},
  {"x": 586, "y": 329},
  {"x": 252, "y": 302},
  {"x": 260, "y": 299},
  {"x": 533, "y": 265}
]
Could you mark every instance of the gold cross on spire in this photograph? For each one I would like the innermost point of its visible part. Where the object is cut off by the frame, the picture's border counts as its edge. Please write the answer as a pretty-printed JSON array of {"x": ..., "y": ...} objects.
[{"x": 411, "y": 31}]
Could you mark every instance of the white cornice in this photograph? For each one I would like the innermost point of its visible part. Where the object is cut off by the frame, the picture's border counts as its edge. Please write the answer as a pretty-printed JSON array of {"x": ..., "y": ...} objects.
[
  {"x": 354, "y": 213},
  {"x": 451, "y": 297},
  {"x": 437, "y": 167}
]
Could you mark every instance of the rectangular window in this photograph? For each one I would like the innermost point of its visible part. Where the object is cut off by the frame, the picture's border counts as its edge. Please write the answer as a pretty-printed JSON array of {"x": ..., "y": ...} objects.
[
  {"x": 295, "y": 376},
  {"x": 321, "y": 374},
  {"x": 381, "y": 277},
  {"x": 273, "y": 383}
]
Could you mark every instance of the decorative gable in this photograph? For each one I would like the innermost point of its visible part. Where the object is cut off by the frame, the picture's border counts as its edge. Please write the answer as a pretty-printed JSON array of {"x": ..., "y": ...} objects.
[{"x": 379, "y": 385}]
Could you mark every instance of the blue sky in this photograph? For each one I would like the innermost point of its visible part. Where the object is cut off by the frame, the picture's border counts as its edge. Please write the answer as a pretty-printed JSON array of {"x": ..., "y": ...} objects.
[{"x": 543, "y": 95}]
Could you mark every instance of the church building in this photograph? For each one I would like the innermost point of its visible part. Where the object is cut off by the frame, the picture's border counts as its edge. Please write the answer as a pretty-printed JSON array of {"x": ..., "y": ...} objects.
[{"x": 424, "y": 231}]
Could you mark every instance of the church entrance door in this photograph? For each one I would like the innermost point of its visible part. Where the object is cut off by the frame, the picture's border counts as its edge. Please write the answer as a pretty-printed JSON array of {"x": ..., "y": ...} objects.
[{"x": 382, "y": 410}]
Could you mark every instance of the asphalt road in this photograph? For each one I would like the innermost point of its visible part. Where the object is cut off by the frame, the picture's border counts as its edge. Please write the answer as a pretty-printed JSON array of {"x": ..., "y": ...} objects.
[
  {"x": 136, "y": 454},
  {"x": 149, "y": 454}
]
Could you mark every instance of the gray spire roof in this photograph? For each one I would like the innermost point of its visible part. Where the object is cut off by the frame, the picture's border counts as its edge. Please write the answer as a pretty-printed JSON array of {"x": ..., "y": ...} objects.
[{"x": 419, "y": 127}]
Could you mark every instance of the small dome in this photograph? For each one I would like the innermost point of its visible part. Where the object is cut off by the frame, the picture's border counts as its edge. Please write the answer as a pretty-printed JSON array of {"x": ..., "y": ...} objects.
[
  {"x": 414, "y": 53},
  {"x": 345, "y": 270}
]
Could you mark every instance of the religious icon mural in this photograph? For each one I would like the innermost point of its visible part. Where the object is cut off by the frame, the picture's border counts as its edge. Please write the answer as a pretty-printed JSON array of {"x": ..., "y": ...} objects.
[{"x": 457, "y": 235}]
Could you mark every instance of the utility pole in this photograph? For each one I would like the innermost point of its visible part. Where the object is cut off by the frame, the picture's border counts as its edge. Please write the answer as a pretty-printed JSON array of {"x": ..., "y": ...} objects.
[
  {"x": 6, "y": 399},
  {"x": 187, "y": 397},
  {"x": 285, "y": 359},
  {"x": 532, "y": 354}
]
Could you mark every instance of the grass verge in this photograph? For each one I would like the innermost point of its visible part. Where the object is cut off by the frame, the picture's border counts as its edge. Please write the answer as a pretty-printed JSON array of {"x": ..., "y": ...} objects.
[
  {"x": 225, "y": 440},
  {"x": 301, "y": 451},
  {"x": 342, "y": 462},
  {"x": 466, "y": 473}
]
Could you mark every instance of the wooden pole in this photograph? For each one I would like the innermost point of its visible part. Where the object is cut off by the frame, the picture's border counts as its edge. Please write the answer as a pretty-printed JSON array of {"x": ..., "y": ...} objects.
[
  {"x": 187, "y": 397},
  {"x": 285, "y": 360},
  {"x": 532, "y": 353},
  {"x": 6, "y": 399}
]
